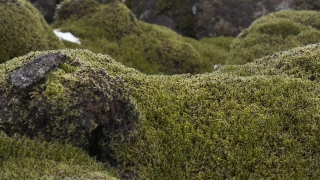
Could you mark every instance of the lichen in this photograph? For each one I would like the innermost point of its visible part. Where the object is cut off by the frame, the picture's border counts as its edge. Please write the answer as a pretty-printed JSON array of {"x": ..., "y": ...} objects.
[
  {"x": 23, "y": 29},
  {"x": 275, "y": 32}
]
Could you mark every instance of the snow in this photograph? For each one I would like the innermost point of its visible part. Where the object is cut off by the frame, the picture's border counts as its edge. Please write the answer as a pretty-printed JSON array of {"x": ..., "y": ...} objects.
[{"x": 66, "y": 36}]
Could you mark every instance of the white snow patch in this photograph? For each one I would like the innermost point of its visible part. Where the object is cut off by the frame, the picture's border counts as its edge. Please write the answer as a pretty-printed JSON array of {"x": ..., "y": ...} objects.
[{"x": 66, "y": 36}]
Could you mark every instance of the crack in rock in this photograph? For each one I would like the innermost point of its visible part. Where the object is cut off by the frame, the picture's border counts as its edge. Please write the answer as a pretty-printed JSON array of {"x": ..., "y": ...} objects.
[{"x": 35, "y": 70}]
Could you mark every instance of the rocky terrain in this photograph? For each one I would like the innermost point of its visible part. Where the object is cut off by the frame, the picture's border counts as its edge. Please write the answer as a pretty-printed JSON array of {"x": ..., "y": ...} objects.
[
  {"x": 85, "y": 113},
  {"x": 198, "y": 18},
  {"x": 207, "y": 18}
]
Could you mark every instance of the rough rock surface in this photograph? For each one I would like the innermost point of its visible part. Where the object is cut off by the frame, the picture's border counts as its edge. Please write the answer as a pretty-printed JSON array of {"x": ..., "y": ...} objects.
[
  {"x": 35, "y": 70},
  {"x": 47, "y": 8},
  {"x": 203, "y": 18}
]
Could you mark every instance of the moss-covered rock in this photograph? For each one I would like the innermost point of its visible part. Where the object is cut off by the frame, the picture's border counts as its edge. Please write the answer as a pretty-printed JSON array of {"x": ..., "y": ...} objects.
[
  {"x": 22, "y": 158},
  {"x": 112, "y": 29},
  {"x": 77, "y": 103},
  {"x": 275, "y": 32},
  {"x": 23, "y": 29},
  {"x": 233, "y": 123}
]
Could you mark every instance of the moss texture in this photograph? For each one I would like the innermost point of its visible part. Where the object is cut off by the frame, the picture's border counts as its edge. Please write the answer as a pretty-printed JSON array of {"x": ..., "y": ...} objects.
[
  {"x": 23, "y": 29},
  {"x": 238, "y": 122},
  {"x": 22, "y": 158},
  {"x": 275, "y": 32},
  {"x": 112, "y": 29}
]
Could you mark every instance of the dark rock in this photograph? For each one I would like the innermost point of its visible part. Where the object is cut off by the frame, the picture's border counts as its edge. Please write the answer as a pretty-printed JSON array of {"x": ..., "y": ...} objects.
[
  {"x": 47, "y": 8},
  {"x": 36, "y": 70},
  {"x": 205, "y": 18}
]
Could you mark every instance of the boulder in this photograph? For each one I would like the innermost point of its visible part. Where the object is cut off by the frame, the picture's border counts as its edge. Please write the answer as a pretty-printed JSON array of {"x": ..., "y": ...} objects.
[
  {"x": 206, "y": 18},
  {"x": 275, "y": 32},
  {"x": 23, "y": 29}
]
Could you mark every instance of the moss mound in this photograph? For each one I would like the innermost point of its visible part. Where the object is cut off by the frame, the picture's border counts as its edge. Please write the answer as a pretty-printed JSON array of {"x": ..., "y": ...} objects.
[
  {"x": 275, "y": 32},
  {"x": 227, "y": 124},
  {"x": 78, "y": 104},
  {"x": 23, "y": 29},
  {"x": 22, "y": 158},
  {"x": 112, "y": 29}
]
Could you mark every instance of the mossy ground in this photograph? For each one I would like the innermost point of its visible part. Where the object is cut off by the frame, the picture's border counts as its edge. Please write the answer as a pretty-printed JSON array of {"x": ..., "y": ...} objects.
[
  {"x": 23, "y": 29},
  {"x": 112, "y": 29},
  {"x": 22, "y": 158},
  {"x": 238, "y": 122},
  {"x": 275, "y": 32}
]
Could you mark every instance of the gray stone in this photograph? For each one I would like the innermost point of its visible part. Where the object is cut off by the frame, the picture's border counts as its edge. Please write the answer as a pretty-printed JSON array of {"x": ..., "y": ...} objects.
[{"x": 34, "y": 71}]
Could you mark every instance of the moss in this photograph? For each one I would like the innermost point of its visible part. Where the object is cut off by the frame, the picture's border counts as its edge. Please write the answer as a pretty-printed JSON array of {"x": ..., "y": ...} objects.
[
  {"x": 78, "y": 104},
  {"x": 238, "y": 122},
  {"x": 112, "y": 29},
  {"x": 301, "y": 62},
  {"x": 22, "y": 158},
  {"x": 23, "y": 29},
  {"x": 223, "y": 42},
  {"x": 275, "y": 32}
]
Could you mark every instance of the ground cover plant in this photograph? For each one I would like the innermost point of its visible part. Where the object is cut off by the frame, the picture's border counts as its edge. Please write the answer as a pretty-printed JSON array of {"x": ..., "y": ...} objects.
[
  {"x": 112, "y": 29},
  {"x": 275, "y": 32},
  {"x": 255, "y": 121},
  {"x": 23, "y": 29},
  {"x": 22, "y": 158}
]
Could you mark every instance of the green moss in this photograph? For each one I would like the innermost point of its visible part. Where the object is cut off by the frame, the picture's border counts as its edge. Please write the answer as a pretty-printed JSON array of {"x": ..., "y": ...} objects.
[
  {"x": 275, "y": 32},
  {"x": 235, "y": 123},
  {"x": 223, "y": 42},
  {"x": 301, "y": 62},
  {"x": 22, "y": 158},
  {"x": 78, "y": 103},
  {"x": 112, "y": 29},
  {"x": 23, "y": 29}
]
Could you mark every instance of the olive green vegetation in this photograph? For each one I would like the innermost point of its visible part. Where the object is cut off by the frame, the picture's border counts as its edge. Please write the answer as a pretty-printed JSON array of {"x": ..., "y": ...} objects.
[
  {"x": 235, "y": 123},
  {"x": 275, "y": 32},
  {"x": 23, "y": 29},
  {"x": 223, "y": 42},
  {"x": 112, "y": 29},
  {"x": 22, "y": 158}
]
